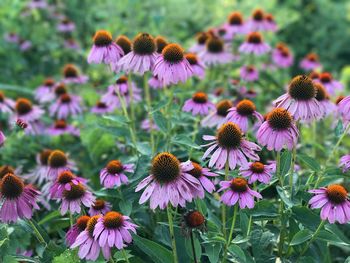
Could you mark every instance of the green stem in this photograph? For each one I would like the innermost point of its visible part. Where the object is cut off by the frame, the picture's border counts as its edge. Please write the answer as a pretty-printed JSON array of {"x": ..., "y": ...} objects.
[
  {"x": 292, "y": 167},
  {"x": 193, "y": 248},
  {"x": 278, "y": 168},
  {"x": 335, "y": 148},
  {"x": 149, "y": 109},
  {"x": 125, "y": 255},
  {"x": 172, "y": 234},
  {"x": 195, "y": 131},
  {"x": 131, "y": 94},
  {"x": 235, "y": 210},
  {"x": 71, "y": 219},
  {"x": 37, "y": 233},
  {"x": 168, "y": 115},
  {"x": 126, "y": 115},
  {"x": 249, "y": 225},
  {"x": 223, "y": 206},
  {"x": 282, "y": 234},
  {"x": 320, "y": 226}
]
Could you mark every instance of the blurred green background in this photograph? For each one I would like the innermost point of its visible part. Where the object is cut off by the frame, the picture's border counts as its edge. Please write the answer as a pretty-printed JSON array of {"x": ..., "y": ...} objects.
[{"x": 321, "y": 26}]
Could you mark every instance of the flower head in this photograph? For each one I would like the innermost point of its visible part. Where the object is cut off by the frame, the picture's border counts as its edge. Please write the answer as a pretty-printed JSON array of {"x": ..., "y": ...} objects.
[
  {"x": 244, "y": 111},
  {"x": 58, "y": 162},
  {"x": 249, "y": 73},
  {"x": 300, "y": 100},
  {"x": 113, "y": 175},
  {"x": 18, "y": 200},
  {"x": 6, "y": 104},
  {"x": 229, "y": 146},
  {"x": 104, "y": 50},
  {"x": 196, "y": 65},
  {"x": 76, "y": 229},
  {"x": 113, "y": 230},
  {"x": 237, "y": 190},
  {"x": 332, "y": 86},
  {"x": 63, "y": 182},
  {"x": 71, "y": 75},
  {"x": 201, "y": 39},
  {"x": 201, "y": 173},
  {"x": 278, "y": 131},
  {"x": 254, "y": 44},
  {"x": 257, "y": 171},
  {"x": 218, "y": 116},
  {"x": 100, "y": 206},
  {"x": 172, "y": 66},
  {"x": 310, "y": 62},
  {"x": 142, "y": 56},
  {"x": 192, "y": 219},
  {"x": 198, "y": 104},
  {"x": 282, "y": 56},
  {"x": 334, "y": 203},
  {"x": 169, "y": 182},
  {"x": 215, "y": 52},
  {"x": 65, "y": 106}
]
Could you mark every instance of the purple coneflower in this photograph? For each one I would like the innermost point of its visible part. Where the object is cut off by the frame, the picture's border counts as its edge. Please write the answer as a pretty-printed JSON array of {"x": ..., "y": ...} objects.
[
  {"x": 100, "y": 206},
  {"x": 218, "y": 116},
  {"x": 257, "y": 21},
  {"x": 334, "y": 203},
  {"x": 71, "y": 44},
  {"x": 161, "y": 43},
  {"x": 37, "y": 4},
  {"x": 244, "y": 111},
  {"x": 257, "y": 171},
  {"x": 171, "y": 67},
  {"x": 38, "y": 175},
  {"x": 18, "y": 200},
  {"x": 344, "y": 107},
  {"x": 249, "y": 73},
  {"x": 113, "y": 230},
  {"x": 215, "y": 53},
  {"x": 196, "y": 65},
  {"x": 55, "y": 92},
  {"x": 229, "y": 146},
  {"x": 2, "y": 138},
  {"x": 254, "y": 44},
  {"x": 198, "y": 104},
  {"x": 125, "y": 44},
  {"x": 332, "y": 85},
  {"x": 11, "y": 37},
  {"x": 147, "y": 125},
  {"x": 66, "y": 105},
  {"x": 300, "y": 100},
  {"x": 104, "y": 50},
  {"x": 310, "y": 62},
  {"x": 121, "y": 84},
  {"x": 64, "y": 181},
  {"x": 155, "y": 83},
  {"x": 74, "y": 197},
  {"x": 29, "y": 113},
  {"x": 66, "y": 26},
  {"x": 101, "y": 108},
  {"x": 76, "y": 229},
  {"x": 201, "y": 173},
  {"x": 237, "y": 190},
  {"x": 345, "y": 163},
  {"x": 278, "y": 131},
  {"x": 43, "y": 93},
  {"x": 169, "y": 182},
  {"x": 281, "y": 56},
  {"x": 6, "y": 105},
  {"x": 24, "y": 45},
  {"x": 201, "y": 39},
  {"x": 114, "y": 174},
  {"x": 323, "y": 99},
  {"x": 71, "y": 75},
  {"x": 62, "y": 127},
  {"x": 235, "y": 25},
  {"x": 270, "y": 23},
  {"x": 142, "y": 56},
  {"x": 88, "y": 247},
  {"x": 58, "y": 162}
]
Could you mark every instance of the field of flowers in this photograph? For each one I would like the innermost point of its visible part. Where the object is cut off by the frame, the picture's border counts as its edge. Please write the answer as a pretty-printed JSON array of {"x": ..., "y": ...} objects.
[{"x": 174, "y": 131}]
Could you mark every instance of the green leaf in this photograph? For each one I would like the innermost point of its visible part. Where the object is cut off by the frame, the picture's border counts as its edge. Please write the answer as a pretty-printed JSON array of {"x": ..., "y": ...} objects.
[
  {"x": 331, "y": 238},
  {"x": 284, "y": 196},
  {"x": 301, "y": 237},
  {"x": 212, "y": 251},
  {"x": 182, "y": 139},
  {"x": 237, "y": 252},
  {"x": 49, "y": 217},
  {"x": 68, "y": 256},
  {"x": 263, "y": 209},
  {"x": 309, "y": 161},
  {"x": 144, "y": 148},
  {"x": 119, "y": 119},
  {"x": 243, "y": 222},
  {"x": 160, "y": 121},
  {"x": 155, "y": 251},
  {"x": 125, "y": 207},
  {"x": 286, "y": 159},
  {"x": 10, "y": 259},
  {"x": 26, "y": 259},
  {"x": 306, "y": 217},
  {"x": 119, "y": 255}
]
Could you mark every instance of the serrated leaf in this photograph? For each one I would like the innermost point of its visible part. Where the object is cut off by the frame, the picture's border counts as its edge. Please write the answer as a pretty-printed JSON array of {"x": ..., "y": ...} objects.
[
  {"x": 156, "y": 252},
  {"x": 301, "y": 237},
  {"x": 286, "y": 159}
]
